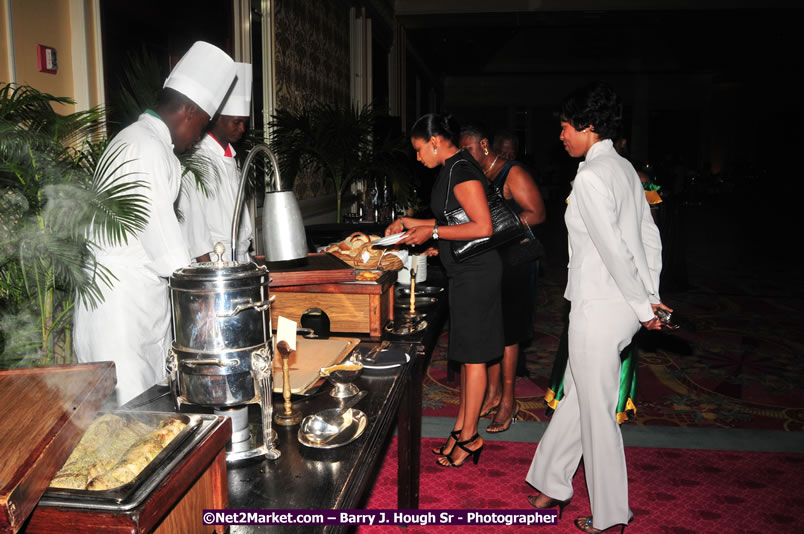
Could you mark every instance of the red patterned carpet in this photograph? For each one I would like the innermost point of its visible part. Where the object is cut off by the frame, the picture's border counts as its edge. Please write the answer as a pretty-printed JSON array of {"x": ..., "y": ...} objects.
[
  {"x": 671, "y": 491},
  {"x": 737, "y": 364}
]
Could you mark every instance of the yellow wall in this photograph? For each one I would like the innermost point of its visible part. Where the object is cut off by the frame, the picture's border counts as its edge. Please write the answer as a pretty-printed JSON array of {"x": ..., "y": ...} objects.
[
  {"x": 45, "y": 22},
  {"x": 66, "y": 25},
  {"x": 94, "y": 63},
  {"x": 5, "y": 32}
]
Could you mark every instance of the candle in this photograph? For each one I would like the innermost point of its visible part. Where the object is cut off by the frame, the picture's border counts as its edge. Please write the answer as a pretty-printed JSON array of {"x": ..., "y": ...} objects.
[{"x": 413, "y": 267}]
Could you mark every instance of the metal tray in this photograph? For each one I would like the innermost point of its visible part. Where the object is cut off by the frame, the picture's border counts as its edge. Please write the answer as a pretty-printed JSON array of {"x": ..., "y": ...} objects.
[
  {"x": 132, "y": 494},
  {"x": 419, "y": 302},
  {"x": 426, "y": 291}
]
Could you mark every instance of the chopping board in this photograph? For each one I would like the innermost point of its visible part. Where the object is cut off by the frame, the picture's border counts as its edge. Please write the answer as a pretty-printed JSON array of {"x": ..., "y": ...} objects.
[
  {"x": 321, "y": 268},
  {"x": 46, "y": 410},
  {"x": 310, "y": 356}
]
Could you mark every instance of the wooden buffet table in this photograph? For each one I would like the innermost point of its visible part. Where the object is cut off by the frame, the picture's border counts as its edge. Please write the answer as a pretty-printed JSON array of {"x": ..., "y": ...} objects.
[{"x": 338, "y": 478}]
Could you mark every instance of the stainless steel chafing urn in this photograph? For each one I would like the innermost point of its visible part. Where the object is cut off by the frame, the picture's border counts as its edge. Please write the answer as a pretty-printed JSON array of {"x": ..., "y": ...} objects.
[{"x": 222, "y": 351}]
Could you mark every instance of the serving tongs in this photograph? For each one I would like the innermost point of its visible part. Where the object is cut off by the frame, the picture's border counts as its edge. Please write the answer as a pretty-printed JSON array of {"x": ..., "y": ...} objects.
[{"x": 371, "y": 355}]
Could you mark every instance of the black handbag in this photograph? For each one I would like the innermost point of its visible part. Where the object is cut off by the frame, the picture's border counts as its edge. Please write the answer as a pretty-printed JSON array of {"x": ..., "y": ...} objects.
[
  {"x": 505, "y": 223},
  {"x": 526, "y": 249}
]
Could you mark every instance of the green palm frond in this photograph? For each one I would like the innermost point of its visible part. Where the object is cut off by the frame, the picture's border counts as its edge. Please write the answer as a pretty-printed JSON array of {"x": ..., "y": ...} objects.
[
  {"x": 198, "y": 170},
  {"x": 338, "y": 140},
  {"x": 114, "y": 207},
  {"x": 56, "y": 193},
  {"x": 28, "y": 107},
  {"x": 33, "y": 111}
]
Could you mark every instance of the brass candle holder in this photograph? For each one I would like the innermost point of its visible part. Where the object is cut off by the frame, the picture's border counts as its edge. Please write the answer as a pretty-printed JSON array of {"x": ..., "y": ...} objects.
[{"x": 289, "y": 416}]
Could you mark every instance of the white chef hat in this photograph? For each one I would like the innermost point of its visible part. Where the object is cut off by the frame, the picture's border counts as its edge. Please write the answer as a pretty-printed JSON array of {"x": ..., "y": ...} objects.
[
  {"x": 238, "y": 104},
  {"x": 204, "y": 75}
]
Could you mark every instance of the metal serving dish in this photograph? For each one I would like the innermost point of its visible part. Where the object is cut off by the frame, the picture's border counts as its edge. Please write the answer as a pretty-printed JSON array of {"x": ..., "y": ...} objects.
[
  {"x": 131, "y": 495},
  {"x": 420, "y": 302},
  {"x": 424, "y": 291},
  {"x": 216, "y": 379},
  {"x": 219, "y": 306},
  {"x": 222, "y": 326}
]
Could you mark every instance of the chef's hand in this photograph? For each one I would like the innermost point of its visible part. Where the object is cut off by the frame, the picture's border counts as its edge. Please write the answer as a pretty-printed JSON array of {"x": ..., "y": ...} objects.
[
  {"x": 395, "y": 227},
  {"x": 417, "y": 235},
  {"x": 431, "y": 251},
  {"x": 655, "y": 323}
]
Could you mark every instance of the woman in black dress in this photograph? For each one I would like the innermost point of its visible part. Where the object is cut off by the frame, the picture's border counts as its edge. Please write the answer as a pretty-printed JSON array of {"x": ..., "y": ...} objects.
[
  {"x": 521, "y": 192},
  {"x": 475, "y": 334}
]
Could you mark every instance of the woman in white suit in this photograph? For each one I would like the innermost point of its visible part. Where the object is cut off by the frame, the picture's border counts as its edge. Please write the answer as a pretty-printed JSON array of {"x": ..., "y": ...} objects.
[{"x": 613, "y": 281}]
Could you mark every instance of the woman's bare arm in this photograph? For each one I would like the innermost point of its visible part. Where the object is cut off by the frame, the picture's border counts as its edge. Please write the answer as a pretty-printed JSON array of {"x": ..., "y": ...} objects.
[{"x": 523, "y": 189}]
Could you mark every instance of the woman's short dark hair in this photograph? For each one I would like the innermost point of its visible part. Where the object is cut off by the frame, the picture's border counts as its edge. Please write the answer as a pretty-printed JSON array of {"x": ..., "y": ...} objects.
[
  {"x": 595, "y": 105},
  {"x": 434, "y": 124},
  {"x": 506, "y": 135},
  {"x": 474, "y": 129}
]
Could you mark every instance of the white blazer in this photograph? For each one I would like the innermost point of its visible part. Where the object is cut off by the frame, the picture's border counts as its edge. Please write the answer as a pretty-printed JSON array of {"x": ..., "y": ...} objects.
[{"x": 615, "y": 251}]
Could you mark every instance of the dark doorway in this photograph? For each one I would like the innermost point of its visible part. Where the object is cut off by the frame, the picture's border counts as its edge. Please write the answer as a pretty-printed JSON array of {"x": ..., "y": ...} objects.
[{"x": 143, "y": 40}]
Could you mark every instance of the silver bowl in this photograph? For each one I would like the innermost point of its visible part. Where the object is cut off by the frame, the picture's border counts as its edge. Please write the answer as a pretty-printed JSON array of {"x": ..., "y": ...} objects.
[{"x": 341, "y": 377}]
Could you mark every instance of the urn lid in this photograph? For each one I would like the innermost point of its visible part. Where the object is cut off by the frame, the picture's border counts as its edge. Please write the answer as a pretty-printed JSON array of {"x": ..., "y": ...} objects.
[{"x": 218, "y": 270}]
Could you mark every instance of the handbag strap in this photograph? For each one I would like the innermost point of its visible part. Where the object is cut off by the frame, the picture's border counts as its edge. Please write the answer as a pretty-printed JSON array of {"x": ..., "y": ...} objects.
[{"x": 449, "y": 184}]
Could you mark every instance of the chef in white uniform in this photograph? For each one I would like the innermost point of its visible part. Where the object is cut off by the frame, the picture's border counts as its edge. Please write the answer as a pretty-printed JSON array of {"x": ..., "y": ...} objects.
[
  {"x": 613, "y": 282},
  {"x": 132, "y": 324},
  {"x": 208, "y": 217}
]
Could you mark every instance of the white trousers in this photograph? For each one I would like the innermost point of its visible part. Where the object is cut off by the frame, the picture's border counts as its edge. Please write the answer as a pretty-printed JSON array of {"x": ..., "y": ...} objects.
[{"x": 585, "y": 422}]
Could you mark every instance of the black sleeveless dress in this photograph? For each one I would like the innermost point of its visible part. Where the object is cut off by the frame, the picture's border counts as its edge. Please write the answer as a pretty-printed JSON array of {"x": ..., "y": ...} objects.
[
  {"x": 517, "y": 286},
  {"x": 475, "y": 304}
]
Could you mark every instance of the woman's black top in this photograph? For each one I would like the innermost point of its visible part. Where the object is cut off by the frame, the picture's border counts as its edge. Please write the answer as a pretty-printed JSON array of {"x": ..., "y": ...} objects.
[{"x": 475, "y": 330}]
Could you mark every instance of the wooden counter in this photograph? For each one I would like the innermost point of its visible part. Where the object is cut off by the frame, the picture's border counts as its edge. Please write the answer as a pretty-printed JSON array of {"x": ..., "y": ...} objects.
[{"x": 352, "y": 307}]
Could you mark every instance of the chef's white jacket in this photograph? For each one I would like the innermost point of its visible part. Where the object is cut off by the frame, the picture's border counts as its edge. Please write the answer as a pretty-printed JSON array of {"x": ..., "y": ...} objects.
[
  {"x": 208, "y": 217},
  {"x": 132, "y": 325}
]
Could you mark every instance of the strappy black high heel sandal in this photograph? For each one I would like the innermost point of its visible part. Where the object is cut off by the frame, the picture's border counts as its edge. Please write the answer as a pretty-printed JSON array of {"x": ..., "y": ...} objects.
[
  {"x": 454, "y": 435},
  {"x": 474, "y": 454}
]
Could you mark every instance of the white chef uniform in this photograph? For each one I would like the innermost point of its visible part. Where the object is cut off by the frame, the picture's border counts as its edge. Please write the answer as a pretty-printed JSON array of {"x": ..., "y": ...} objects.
[
  {"x": 208, "y": 217},
  {"x": 132, "y": 325},
  {"x": 615, "y": 261}
]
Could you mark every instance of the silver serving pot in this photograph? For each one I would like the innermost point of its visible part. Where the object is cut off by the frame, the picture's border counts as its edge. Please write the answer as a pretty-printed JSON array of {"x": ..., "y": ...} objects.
[
  {"x": 220, "y": 309},
  {"x": 221, "y": 322},
  {"x": 218, "y": 379}
]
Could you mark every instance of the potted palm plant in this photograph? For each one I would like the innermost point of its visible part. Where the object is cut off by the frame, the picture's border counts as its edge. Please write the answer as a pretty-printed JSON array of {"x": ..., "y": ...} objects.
[
  {"x": 55, "y": 201},
  {"x": 340, "y": 142}
]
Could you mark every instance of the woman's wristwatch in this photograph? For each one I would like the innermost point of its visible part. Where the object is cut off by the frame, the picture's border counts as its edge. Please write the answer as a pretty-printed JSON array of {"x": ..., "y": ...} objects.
[{"x": 435, "y": 231}]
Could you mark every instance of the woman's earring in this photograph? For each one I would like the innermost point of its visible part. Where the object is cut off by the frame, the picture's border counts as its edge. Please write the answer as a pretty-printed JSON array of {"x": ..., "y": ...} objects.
[{"x": 485, "y": 151}]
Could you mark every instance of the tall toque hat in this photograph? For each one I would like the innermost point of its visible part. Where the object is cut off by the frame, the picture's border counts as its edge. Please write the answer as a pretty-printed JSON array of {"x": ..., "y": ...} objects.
[
  {"x": 238, "y": 103},
  {"x": 204, "y": 75}
]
